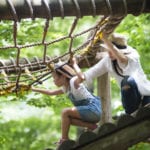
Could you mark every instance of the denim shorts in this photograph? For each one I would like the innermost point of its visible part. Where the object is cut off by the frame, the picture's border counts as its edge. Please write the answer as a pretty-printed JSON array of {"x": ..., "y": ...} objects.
[{"x": 89, "y": 109}]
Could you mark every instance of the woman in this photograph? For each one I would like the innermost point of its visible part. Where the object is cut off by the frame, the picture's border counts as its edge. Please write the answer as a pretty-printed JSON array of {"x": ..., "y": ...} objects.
[{"x": 123, "y": 63}]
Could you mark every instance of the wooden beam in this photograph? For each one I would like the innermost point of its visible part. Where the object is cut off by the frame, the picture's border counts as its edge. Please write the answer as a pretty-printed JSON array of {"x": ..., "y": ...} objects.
[
  {"x": 123, "y": 138},
  {"x": 19, "y": 9}
]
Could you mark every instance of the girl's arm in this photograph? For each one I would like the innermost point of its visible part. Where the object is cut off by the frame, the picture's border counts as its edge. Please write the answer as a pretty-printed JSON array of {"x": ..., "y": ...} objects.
[
  {"x": 80, "y": 76},
  {"x": 118, "y": 54},
  {"x": 48, "y": 92}
]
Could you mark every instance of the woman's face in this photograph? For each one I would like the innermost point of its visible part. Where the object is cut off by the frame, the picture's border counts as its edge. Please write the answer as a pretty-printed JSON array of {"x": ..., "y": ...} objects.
[{"x": 59, "y": 80}]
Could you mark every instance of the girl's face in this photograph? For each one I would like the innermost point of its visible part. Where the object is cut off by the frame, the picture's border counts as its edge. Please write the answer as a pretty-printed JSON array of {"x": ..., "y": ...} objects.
[{"x": 59, "y": 80}]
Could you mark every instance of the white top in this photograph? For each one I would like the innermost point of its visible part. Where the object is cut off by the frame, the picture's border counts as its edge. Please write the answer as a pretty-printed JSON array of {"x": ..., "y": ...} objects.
[
  {"x": 133, "y": 69},
  {"x": 81, "y": 92}
]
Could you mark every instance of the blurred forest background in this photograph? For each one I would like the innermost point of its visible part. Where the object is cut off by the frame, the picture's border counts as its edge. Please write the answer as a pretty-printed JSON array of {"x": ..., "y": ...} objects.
[{"x": 31, "y": 121}]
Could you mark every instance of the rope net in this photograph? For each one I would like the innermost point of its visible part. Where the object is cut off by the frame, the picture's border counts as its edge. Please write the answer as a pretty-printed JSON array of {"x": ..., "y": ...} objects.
[{"x": 18, "y": 72}]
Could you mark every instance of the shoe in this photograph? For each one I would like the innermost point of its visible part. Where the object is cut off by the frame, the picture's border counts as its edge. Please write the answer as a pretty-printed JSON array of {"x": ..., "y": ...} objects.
[
  {"x": 60, "y": 141},
  {"x": 135, "y": 112},
  {"x": 92, "y": 128},
  {"x": 147, "y": 105}
]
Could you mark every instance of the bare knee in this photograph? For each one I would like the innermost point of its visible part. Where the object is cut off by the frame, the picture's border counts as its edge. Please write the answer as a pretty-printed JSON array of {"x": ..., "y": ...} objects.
[{"x": 65, "y": 112}]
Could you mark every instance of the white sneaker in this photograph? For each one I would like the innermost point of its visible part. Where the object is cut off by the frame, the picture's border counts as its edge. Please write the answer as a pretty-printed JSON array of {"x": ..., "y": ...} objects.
[
  {"x": 134, "y": 113},
  {"x": 147, "y": 105}
]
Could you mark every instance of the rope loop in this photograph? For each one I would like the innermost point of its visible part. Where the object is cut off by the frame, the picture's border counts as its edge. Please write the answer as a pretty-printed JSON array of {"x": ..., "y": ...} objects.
[
  {"x": 48, "y": 10},
  {"x": 13, "y": 11},
  {"x": 78, "y": 11}
]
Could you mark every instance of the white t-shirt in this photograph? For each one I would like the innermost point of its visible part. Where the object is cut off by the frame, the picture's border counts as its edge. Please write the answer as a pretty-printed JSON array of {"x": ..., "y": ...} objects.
[
  {"x": 81, "y": 92},
  {"x": 133, "y": 69}
]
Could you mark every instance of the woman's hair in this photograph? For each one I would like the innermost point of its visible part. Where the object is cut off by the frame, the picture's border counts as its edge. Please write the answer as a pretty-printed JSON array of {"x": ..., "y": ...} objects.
[{"x": 118, "y": 39}]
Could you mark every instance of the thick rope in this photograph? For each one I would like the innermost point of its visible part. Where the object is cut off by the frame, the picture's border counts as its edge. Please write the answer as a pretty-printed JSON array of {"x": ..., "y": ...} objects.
[
  {"x": 29, "y": 68},
  {"x": 25, "y": 70}
]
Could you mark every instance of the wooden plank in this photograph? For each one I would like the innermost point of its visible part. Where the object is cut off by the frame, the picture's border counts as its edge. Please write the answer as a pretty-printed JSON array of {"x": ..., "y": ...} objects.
[
  {"x": 121, "y": 139},
  {"x": 52, "y": 8}
]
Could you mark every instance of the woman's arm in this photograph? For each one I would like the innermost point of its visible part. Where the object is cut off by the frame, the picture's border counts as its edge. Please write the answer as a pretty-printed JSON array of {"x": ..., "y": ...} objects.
[
  {"x": 47, "y": 92},
  {"x": 118, "y": 54}
]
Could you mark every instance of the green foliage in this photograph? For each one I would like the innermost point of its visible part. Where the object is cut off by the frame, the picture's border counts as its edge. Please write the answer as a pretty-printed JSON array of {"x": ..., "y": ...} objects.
[
  {"x": 28, "y": 131},
  {"x": 140, "y": 146},
  {"x": 30, "y": 134},
  {"x": 6, "y": 36}
]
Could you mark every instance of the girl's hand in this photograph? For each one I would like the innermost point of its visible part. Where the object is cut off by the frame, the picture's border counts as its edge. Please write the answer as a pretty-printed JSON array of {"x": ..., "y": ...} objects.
[{"x": 73, "y": 61}]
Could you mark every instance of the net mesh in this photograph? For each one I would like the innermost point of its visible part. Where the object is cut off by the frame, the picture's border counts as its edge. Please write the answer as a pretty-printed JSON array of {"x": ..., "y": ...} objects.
[{"x": 80, "y": 37}]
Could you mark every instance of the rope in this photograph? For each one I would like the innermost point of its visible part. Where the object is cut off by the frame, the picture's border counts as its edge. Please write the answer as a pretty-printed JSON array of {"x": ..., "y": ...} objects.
[
  {"x": 96, "y": 36},
  {"x": 27, "y": 72}
]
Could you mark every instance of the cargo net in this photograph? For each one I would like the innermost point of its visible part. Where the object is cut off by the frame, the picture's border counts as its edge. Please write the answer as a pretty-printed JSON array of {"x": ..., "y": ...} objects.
[{"x": 44, "y": 42}]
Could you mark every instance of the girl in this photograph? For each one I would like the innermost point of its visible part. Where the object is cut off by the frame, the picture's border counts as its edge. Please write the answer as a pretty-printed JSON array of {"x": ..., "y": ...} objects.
[{"x": 87, "y": 107}]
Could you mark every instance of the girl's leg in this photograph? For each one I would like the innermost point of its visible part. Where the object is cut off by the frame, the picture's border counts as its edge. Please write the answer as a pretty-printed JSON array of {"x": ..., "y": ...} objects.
[
  {"x": 78, "y": 122},
  {"x": 65, "y": 124},
  {"x": 131, "y": 97},
  {"x": 72, "y": 116}
]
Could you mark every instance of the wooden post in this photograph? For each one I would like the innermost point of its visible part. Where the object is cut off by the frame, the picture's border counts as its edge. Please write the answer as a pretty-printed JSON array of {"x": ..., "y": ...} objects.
[{"x": 104, "y": 91}]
